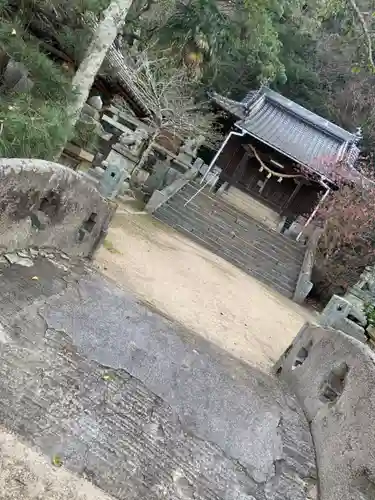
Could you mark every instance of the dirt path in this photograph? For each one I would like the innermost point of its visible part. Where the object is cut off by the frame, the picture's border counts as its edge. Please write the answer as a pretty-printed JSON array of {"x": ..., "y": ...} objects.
[{"x": 198, "y": 289}]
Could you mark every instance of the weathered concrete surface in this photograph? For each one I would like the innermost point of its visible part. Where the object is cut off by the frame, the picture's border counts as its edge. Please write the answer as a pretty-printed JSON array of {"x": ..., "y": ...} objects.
[
  {"x": 333, "y": 376},
  {"x": 136, "y": 403},
  {"x": 46, "y": 204},
  {"x": 28, "y": 475}
]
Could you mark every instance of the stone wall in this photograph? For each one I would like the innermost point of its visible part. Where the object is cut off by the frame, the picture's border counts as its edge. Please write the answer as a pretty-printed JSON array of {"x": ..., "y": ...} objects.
[
  {"x": 159, "y": 197},
  {"x": 46, "y": 204},
  {"x": 304, "y": 283},
  {"x": 333, "y": 376}
]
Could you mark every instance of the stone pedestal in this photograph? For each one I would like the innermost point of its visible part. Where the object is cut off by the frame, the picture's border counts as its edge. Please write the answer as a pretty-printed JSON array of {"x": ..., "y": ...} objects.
[
  {"x": 125, "y": 161},
  {"x": 90, "y": 111},
  {"x": 96, "y": 102},
  {"x": 119, "y": 167}
]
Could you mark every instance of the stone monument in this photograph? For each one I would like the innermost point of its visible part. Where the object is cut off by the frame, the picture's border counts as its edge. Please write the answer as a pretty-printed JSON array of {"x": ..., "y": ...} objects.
[
  {"x": 158, "y": 178},
  {"x": 112, "y": 180},
  {"x": 121, "y": 161},
  {"x": 348, "y": 313},
  {"x": 133, "y": 141},
  {"x": 189, "y": 149}
]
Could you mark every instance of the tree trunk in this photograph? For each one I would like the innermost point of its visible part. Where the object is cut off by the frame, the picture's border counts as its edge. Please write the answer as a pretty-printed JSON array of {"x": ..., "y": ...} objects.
[
  {"x": 103, "y": 37},
  {"x": 366, "y": 32}
]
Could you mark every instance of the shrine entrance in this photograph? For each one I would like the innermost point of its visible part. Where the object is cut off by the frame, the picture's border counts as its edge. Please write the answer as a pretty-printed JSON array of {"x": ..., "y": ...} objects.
[{"x": 270, "y": 179}]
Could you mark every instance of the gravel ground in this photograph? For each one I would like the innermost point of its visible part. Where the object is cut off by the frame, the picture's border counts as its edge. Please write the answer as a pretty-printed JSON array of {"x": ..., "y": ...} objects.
[{"x": 205, "y": 293}]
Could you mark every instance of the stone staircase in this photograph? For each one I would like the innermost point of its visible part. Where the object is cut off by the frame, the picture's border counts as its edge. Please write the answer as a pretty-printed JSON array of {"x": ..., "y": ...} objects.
[{"x": 271, "y": 257}]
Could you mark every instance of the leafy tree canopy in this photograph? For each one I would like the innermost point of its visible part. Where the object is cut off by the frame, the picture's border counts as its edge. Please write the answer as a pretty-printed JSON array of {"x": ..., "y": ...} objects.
[{"x": 317, "y": 53}]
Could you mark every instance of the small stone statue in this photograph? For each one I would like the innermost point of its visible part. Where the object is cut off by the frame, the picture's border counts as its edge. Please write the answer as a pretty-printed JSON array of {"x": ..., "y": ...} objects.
[
  {"x": 134, "y": 140},
  {"x": 192, "y": 145}
]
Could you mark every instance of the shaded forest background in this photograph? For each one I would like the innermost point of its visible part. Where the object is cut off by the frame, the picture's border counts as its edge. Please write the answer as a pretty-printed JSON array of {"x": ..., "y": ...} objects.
[{"x": 318, "y": 54}]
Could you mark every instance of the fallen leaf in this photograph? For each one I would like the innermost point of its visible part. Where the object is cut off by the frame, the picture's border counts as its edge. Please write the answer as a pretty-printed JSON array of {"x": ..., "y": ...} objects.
[{"x": 56, "y": 461}]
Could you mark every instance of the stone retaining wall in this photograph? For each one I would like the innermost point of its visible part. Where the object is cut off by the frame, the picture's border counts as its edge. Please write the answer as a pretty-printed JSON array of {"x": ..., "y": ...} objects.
[
  {"x": 333, "y": 376},
  {"x": 46, "y": 204},
  {"x": 159, "y": 197}
]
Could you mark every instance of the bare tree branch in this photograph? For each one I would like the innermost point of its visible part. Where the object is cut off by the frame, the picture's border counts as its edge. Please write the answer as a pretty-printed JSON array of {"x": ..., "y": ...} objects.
[
  {"x": 170, "y": 94},
  {"x": 169, "y": 91},
  {"x": 365, "y": 30}
]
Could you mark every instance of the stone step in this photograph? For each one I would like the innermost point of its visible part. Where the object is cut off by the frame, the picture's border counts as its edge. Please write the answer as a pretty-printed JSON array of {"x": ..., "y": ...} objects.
[
  {"x": 231, "y": 214},
  {"x": 247, "y": 233},
  {"x": 207, "y": 199},
  {"x": 261, "y": 252},
  {"x": 251, "y": 249},
  {"x": 280, "y": 286},
  {"x": 260, "y": 240},
  {"x": 253, "y": 264}
]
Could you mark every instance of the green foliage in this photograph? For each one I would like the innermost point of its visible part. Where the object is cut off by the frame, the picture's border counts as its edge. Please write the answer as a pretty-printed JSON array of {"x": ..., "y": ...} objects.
[
  {"x": 94, "y": 6},
  {"x": 370, "y": 314},
  {"x": 315, "y": 52},
  {"x": 31, "y": 127},
  {"x": 199, "y": 24},
  {"x": 225, "y": 45},
  {"x": 86, "y": 134},
  {"x": 299, "y": 57},
  {"x": 74, "y": 42},
  {"x": 35, "y": 124},
  {"x": 61, "y": 8},
  {"x": 49, "y": 81}
]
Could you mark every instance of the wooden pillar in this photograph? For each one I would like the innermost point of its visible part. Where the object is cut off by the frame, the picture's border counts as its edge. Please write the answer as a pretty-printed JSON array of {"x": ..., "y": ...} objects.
[
  {"x": 239, "y": 169},
  {"x": 297, "y": 189}
]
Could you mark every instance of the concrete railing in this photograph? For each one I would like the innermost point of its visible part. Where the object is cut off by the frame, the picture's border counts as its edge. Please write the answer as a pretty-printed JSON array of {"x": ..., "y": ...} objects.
[
  {"x": 304, "y": 283},
  {"x": 159, "y": 197},
  {"x": 333, "y": 376},
  {"x": 44, "y": 204}
]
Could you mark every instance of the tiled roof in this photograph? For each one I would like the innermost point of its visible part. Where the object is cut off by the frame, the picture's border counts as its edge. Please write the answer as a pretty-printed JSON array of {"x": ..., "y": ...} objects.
[
  {"x": 237, "y": 109},
  {"x": 303, "y": 136},
  {"x": 293, "y": 130},
  {"x": 120, "y": 69}
]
